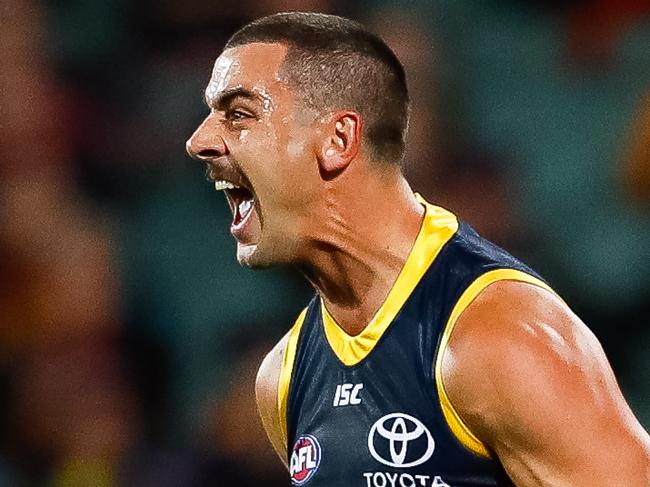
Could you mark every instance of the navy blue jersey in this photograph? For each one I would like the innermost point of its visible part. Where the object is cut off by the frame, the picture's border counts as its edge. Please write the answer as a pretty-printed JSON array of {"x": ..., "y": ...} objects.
[{"x": 371, "y": 410}]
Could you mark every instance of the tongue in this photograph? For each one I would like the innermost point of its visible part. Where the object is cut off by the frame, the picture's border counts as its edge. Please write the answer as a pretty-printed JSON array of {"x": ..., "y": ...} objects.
[{"x": 237, "y": 217}]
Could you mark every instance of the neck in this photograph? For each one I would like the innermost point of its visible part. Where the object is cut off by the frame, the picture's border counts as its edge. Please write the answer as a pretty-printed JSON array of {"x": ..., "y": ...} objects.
[{"x": 363, "y": 242}]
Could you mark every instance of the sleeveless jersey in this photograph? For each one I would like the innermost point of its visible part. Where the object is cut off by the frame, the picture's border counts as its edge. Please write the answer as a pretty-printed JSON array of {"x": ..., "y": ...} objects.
[{"x": 371, "y": 409}]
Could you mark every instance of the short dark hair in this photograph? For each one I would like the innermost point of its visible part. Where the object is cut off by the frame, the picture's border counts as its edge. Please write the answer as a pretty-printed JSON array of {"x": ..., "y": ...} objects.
[{"x": 337, "y": 63}]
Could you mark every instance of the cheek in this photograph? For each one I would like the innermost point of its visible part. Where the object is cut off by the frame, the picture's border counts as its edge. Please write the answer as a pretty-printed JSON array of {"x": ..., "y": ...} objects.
[
  {"x": 296, "y": 148},
  {"x": 285, "y": 187},
  {"x": 277, "y": 164}
]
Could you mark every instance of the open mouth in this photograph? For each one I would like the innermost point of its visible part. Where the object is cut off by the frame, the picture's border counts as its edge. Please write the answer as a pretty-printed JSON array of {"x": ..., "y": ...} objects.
[{"x": 241, "y": 201}]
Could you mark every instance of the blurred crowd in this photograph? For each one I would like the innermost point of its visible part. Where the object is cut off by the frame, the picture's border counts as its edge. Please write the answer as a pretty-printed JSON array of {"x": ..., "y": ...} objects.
[{"x": 130, "y": 337}]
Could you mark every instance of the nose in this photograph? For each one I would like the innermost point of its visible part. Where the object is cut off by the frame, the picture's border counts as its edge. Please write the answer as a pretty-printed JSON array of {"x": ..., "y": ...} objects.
[{"x": 206, "y": 143}]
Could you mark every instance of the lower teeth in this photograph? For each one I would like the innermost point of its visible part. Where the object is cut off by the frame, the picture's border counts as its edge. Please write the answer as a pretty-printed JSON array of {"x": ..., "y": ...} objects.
[{"x": 244, "y": 207}]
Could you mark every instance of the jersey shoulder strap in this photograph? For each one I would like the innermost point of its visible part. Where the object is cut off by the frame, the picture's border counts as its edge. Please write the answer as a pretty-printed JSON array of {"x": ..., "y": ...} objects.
[{"x": 286, "y": 370}]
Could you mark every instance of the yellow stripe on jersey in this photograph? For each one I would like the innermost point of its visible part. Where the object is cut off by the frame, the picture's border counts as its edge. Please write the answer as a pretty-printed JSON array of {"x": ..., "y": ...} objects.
[
  {"x": 456, "y": 424},
  {"x": 438, "y": 227},
  {"x": 284, "y": 382}
]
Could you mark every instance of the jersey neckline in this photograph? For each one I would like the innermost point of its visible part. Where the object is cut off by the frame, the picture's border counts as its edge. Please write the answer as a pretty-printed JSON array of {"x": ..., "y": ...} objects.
[{"x": 438, "y": 227}]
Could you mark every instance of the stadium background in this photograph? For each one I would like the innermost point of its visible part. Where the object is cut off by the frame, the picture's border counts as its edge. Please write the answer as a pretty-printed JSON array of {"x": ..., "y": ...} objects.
[{"x": 129, "y": 337}]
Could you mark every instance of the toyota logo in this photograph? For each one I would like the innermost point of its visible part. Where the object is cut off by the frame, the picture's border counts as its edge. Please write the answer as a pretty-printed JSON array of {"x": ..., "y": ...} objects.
[{"x": 398, "y": 431}]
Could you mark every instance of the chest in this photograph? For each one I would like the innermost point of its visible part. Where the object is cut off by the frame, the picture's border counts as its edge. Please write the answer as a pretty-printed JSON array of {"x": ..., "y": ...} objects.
[{"x": 379, "y": 422}]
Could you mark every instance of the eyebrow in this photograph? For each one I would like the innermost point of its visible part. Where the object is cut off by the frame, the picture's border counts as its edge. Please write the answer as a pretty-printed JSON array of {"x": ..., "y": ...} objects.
[{"x": 226, "y": 96}]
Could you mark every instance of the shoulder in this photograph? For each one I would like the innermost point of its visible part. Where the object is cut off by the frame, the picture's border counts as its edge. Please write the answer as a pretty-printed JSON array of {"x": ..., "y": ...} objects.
[
  {"x": 470, "y": 247},
  {"x": 266, "y": 394},
  {"x": 533, "y": 383},
  {"x": 268, "y": 375},
  {"x": 521, "y": 326},
  {"x": 511, "y": 332},
  {"x": 275, "y": 370},
  {"x": 272, "y": 387}
]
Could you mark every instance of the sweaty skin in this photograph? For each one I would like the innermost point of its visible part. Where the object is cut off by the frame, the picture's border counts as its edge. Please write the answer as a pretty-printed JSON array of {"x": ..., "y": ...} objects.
[
  {"x": 247, "y": 137},
  {"x": 521, "y": 369}
]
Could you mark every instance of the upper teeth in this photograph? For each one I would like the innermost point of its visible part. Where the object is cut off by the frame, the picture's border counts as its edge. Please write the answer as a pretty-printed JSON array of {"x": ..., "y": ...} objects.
[{"x": 221, "y": 185}]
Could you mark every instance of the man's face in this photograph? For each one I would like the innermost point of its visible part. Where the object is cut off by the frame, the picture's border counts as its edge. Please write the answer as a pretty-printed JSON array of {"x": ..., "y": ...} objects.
[{"x": 258, "y": 151}]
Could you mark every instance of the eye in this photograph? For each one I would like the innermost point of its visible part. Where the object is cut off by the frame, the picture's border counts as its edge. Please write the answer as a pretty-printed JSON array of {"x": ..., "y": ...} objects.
[{"x": 237, "y": 115}]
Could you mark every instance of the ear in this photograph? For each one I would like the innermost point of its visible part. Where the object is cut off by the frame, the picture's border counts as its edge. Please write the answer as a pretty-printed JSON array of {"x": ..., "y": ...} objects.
[{"x": 341, "y": 142}]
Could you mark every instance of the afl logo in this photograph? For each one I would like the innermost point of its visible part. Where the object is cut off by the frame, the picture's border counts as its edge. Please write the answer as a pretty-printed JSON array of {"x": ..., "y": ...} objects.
[
  {"x": 399, "y": 440},
  {"x": 305, "y": 459}
]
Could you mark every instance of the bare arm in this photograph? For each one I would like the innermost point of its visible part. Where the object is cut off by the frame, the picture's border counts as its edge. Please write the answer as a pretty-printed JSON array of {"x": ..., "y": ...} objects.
[
  {"x": 533, "y": 383},
  {"x": 266, "y": 393}
]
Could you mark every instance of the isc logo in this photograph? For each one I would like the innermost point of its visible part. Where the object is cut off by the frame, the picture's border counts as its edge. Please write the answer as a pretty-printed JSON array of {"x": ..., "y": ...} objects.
[{"x": 347, "y": 394}]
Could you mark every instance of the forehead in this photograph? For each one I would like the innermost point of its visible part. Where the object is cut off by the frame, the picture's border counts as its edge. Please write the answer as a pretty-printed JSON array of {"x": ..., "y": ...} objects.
[{"x": 254, "y": 66}]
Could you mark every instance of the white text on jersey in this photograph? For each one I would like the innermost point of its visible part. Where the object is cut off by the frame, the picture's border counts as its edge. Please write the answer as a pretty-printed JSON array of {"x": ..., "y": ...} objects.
[
  {"x": 347, "y": 394},
  {"x": 303, "y": 459}
]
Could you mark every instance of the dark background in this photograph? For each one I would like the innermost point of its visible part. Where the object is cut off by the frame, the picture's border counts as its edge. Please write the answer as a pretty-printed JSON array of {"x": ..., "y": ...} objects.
[{"x": 129, "y": 336}]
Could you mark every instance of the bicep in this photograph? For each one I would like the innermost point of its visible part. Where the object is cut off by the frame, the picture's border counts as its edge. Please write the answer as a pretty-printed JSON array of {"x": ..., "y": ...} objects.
[
  {"x": 563, "y": 419},
  {"x": 266, "y": 393},
  {"x": 535, "y": 385}
]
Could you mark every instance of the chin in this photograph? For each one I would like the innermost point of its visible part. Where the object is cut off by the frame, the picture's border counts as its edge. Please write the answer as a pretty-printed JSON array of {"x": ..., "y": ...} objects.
[
  {"x": 259, "y": 256},
  {"x": 251, "y": 257}
]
